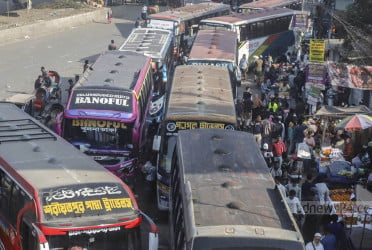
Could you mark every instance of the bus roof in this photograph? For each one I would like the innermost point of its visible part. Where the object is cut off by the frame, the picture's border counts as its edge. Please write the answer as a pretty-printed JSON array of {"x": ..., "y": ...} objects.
[
  {"x": 230, "y": 181},
  {"x": 265, "y": 4},
  {"x": 40, "y": 157},
  {"x": 149, "y": 42},
  {"x": 214, "y": 45},
  {"x": 189, "y": 11},
  {"x": 254, "y": 16},
  {"x": 116, "y": 70},
  {"x": 201, "y": 92}
]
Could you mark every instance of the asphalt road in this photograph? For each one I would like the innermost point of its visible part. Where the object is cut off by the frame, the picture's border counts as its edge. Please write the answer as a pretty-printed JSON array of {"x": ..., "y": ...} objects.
[{"x": 65, "y": 53}]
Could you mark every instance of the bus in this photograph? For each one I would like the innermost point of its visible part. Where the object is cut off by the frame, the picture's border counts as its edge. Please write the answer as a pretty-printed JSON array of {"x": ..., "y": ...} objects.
[
  {"x": 200, "y": 97},
  {"x": 52, "y": 196},
  {"x": 264, "y": 32},
  {"x": 269, "y": 4},
  {"x": 224, "y": 197},
  {"x": 183, "y": 21},
  {"x": 105, "y": 116},
  {"x": 217, "y": 48},
  {"x": 157, "y": 44}
]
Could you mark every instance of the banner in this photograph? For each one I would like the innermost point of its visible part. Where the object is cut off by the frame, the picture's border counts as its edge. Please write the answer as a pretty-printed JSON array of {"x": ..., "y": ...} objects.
[
  {"x": 350, "y": 76},
  {"x": 317, "y": 48}
]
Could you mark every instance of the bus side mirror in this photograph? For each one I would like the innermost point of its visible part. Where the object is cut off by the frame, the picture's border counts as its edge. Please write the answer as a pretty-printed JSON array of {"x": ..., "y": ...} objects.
[
  {"x": 153, "y": 234},
  {"x": 156, "y": 143}
]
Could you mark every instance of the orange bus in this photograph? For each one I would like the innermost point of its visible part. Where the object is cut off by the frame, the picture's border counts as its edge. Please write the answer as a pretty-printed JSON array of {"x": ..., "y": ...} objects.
[{"x": 52, "y": 196}]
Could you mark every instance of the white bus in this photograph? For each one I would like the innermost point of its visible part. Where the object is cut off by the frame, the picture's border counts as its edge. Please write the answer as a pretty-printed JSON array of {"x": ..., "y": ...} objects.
[
  {"x": 217, "y": 48},
  {"x": 264, "y": 32},
  {"x": 184, "y": 21},
  {"x": 269, "y": 4}
]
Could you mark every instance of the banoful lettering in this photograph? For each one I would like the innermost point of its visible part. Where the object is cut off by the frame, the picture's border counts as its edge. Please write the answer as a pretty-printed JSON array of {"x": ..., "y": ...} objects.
[{"x": 102, "y": 100}]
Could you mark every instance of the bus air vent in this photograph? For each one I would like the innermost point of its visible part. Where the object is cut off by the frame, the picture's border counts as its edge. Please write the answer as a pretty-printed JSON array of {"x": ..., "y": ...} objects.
[
  {"x": 114, "y": 71},
  {"x": 118, "y": 64},
  {"x": 224, "y": 167},
  {"x": 216, "y": 137},
  {"x": 109, "y": 80},
  {"x": 122, "y": 56},
  {"x": 52, "y": 160},
  {"x": 221, "y": 151},
  {"x": 36, "y": 149},
  {"x": 230, "y": 184},
  {"x": 26, "y": 137},
  {"x": 234, "y": 205}
]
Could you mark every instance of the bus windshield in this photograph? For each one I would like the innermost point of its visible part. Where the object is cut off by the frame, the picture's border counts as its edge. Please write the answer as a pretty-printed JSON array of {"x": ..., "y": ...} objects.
[
  {"x": 100, "y": 134},
  {"x": 237, "y": 243},
  {"x": 228, "y": 65},
  {"x": 205, "y": 25},
  {"x": 95, "y": 239}
]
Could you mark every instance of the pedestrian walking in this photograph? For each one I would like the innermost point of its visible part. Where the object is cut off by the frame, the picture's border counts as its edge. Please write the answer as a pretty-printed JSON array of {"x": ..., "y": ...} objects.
[
  {"x": 295, "y": 207},
  {"x": 315, "y": 244},
  {"x": 109, "y": 16},
  {"x": 70, "y": 86},
  {"x": 137, "y": 24},
  {"x": 258, "y": 70},
  {"x": 144, "y": 12},
  {"x": 279, "y": 149},
  {"x": 86, "y": 66},
  {"x": 243, "y": 65}
]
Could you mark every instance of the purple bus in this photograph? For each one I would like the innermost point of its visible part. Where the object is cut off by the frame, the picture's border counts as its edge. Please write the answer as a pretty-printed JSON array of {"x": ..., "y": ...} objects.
[{"x": 106, "y": 112}]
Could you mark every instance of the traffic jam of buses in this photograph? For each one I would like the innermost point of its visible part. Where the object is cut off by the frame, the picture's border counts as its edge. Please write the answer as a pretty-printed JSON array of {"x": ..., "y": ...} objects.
[{"x": 208, "y": 106}]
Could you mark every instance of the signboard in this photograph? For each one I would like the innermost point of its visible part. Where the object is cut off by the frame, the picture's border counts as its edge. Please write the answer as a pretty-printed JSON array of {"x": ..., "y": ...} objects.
[
  {"x": 316, "y": 74},
  {"x": 350, "y": 76},
  {"x": 314, "y": 95},
  {"x": 85, "y": 199},
  {"x": 317, "y": 48},
  {"x": 172, "y": 127},
  {"x": 102, "y": 99},
  {"x": 300, "y": 21},
  {"x": 161, "y": 24},
  {"x": 210, "y": 62}
]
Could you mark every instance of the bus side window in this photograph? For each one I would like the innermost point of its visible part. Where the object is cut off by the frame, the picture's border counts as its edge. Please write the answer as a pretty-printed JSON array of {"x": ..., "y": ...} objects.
[
  {"x": 6, "y": 187},
  {"x": 244, "y": 33},
  {"x": 29, "y": 241}
]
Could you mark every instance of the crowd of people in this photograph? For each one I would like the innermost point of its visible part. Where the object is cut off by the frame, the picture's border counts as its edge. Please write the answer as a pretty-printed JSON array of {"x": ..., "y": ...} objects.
[{"x": 275, "y": 110}]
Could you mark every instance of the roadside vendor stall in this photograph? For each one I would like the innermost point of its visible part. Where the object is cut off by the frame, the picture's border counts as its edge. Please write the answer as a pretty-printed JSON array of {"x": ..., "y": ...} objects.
[{"x": 331, "y": 116}]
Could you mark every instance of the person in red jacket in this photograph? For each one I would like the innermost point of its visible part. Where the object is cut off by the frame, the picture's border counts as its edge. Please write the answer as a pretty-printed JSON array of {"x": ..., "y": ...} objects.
[{"x": 278, "y": 150}]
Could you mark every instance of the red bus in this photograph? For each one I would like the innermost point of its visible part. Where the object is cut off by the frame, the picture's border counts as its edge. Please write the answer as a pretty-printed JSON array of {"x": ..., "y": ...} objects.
[
  {"x": 106, "y": 113},
  {"x": 55, "y": 197}
]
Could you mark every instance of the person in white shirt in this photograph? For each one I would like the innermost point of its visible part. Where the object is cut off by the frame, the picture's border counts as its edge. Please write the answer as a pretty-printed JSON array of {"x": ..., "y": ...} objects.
[
  {"x": 322, "y": 191},
  {"x": 294, "y": 185},
  {"x": 280, "y": 186},
  {"x": 295, "y": 207},
  {"x": 315, "y": 244}
]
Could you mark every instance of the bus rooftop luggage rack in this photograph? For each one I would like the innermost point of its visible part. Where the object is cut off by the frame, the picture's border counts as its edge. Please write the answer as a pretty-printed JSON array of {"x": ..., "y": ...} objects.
[{"x": 15, "y": 130}]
